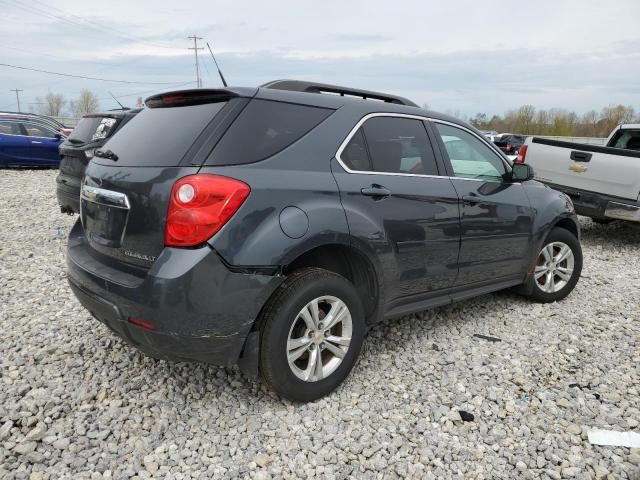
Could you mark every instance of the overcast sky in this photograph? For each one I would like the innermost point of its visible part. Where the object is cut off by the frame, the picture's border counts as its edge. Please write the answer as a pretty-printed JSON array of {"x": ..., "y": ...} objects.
[{"x": 463, "y": 56}]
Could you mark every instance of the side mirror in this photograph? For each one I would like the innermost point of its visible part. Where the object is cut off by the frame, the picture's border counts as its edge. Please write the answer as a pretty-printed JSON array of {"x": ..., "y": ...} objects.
[
  {"x": 521, "y": 172},
  {"x": 58, "y": 136}
]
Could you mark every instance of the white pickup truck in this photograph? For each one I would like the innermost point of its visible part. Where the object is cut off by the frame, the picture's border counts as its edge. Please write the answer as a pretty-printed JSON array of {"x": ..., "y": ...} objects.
[{"x": 602, "y": 181}]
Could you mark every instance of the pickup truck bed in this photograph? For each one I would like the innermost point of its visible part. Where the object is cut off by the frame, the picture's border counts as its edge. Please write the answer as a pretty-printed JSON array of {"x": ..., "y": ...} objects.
[{"x": 603, "y": 182}]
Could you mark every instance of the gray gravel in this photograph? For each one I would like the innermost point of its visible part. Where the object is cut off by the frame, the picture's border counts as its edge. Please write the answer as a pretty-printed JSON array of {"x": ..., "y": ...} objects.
[{"x": 76, "y": 402}]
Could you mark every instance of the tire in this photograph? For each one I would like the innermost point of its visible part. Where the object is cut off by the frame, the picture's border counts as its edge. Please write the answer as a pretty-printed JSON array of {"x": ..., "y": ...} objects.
[
  {"x": 544, "y": 290},
  {"x": 285, "y": 333}
]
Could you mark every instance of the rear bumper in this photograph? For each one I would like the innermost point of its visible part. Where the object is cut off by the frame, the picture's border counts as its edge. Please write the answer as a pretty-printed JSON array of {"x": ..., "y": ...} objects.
[
  {"x": 623, "y": 211},
  {"x": 599, "y": 206},
  {"x": 199, "y": 309},
  {"x": 68, "y": 194}
]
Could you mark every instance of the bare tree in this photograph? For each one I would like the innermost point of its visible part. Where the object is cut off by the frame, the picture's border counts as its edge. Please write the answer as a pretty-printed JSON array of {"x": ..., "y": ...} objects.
[
  {"x": 525, "y": 118},
  {"x": 615, "y": 115},
  {"x": 479, "y": 120},
  {"x": 590, "y": 124},
  {"x": 51, "y": 105},
  {"x": 87, "y": 102}
]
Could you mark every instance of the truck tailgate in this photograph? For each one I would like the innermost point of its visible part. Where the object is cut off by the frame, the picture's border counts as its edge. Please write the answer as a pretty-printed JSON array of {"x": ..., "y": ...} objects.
[{"x": 605, "y": 170}]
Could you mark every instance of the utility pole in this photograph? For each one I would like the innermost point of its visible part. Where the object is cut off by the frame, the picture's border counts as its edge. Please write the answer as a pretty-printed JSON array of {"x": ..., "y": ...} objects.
[
  {"x": 195, "y": 49},
  {"x": 17, "y": 90}
]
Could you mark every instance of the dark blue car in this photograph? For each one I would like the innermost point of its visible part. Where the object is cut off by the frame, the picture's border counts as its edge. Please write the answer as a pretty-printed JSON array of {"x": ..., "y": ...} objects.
[{"x": 26, "y": 142}]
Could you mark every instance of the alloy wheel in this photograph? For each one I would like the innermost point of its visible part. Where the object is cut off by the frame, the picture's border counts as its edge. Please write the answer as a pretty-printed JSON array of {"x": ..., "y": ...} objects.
[
  {"x": 554, "y": 267},
  {"x": 319, "y": 338}
]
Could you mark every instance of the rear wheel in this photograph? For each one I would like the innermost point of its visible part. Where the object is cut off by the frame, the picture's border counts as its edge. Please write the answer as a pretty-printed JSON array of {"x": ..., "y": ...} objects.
[
  {"x": 312, "y": 331},
  {"x": 557, "y": 268}
]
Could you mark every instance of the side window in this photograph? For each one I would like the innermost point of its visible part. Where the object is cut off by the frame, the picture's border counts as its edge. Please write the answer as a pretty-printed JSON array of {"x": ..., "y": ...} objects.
[
  {"x": 470, "y": 157},
  {"x": 391, "y": 145},
  {"x": 399, "y": 145},
  {"x": 355, "y": 154},
  {"x": 265, "y": 128},
  {"x": 10, "y": 128},
  {"x": 38, "y": 131}
]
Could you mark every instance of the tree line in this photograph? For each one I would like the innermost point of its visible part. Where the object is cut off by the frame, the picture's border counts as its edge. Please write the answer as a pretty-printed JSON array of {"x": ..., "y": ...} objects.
[
  {"x": 528, "y": 120},
  {"x": 56, "y": 105}
]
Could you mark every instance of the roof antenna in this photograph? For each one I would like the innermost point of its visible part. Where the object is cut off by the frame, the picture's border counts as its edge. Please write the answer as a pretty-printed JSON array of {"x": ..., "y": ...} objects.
[
  {"x": 114, "y": 97},
  {"x": 224, "y": 82}
]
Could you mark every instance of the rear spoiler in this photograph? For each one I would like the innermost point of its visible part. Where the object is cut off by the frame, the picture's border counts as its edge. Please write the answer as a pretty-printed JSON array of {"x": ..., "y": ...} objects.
[
  {"x": 183, "y": 98},
  {"x": 313, "y": 87}
]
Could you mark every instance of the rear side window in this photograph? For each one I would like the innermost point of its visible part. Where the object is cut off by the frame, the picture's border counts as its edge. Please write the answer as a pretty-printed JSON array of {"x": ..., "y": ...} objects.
[
  {"x": 10, "y": 128},
  {"x": 263, "y": 129},
  {"x": 40, "y": 131},
  {"x": 160, "y": 137},
  {"x": 391, "y": 145}
]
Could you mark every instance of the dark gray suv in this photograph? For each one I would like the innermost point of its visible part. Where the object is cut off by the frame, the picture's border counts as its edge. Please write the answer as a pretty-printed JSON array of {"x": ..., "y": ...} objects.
[{"x": 272, "y": 226}]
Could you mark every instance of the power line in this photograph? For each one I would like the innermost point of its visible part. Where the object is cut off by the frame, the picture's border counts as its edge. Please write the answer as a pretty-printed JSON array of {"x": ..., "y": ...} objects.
[
  {"x": 65, "y": 59},
  {"x": 17, "y": 90},
  {"x": 81, "y": 22},
  {"x": 84, "y": 77},
  {"x": 195, "y": 48}
]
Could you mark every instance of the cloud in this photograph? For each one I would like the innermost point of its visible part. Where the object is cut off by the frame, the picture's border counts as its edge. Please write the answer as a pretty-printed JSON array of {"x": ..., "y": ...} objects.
[{"x": 455, "y": 56}]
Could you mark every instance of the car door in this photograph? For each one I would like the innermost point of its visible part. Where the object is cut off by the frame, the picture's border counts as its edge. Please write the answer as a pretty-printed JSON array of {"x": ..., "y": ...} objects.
[
  {"x": 496, "y": 216},
  {"x": 44, "y": 144},
  {"x": 15, "y": 146},
  {"x": 399, "y": 206}
]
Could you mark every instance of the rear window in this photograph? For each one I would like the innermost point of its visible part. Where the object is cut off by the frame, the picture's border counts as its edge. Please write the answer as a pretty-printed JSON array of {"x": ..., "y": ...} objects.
[
  {"x": 90, "y": 129},
  {"x": 160, "y": 137},
  {"x": 263, "y": 129},
  {"x": 628, "y": 139}
]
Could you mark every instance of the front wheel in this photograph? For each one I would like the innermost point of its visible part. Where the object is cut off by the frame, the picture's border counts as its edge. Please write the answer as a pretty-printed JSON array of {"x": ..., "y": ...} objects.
[
  {"x": 312, "y": 330},
  {"x": 557, "y": 268}
]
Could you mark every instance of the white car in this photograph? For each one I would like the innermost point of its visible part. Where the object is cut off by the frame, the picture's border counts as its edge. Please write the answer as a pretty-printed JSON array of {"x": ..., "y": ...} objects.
[{"x": 602, "y": 181}]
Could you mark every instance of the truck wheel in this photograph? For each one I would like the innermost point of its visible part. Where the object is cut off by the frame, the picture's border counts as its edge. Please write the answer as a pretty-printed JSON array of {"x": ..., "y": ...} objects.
[
  {"x": 557, "y": 268},
  {"x": 312, "y": 329}
]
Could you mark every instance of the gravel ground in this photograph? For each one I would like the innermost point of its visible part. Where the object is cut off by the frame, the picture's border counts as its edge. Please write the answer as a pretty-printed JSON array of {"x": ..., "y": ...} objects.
[{"x": 76, "y": 402}]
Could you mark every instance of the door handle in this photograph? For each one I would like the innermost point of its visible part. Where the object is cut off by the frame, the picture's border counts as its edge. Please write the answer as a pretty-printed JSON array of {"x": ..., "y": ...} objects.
[
  {"x": 376, "y": 191},
  {"x": 34, "y": 141},
  {"x": 580, "y": 156},
  {"x": 471, "y": 199}
]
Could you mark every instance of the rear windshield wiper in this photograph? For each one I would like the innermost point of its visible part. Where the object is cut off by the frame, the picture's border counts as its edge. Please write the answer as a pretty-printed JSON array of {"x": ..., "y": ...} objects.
[{"x": 106, "y": 154}]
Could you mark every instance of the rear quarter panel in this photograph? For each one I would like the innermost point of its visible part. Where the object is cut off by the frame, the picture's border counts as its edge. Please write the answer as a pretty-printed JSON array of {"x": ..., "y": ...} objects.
[{"x": 300, "y": 177}]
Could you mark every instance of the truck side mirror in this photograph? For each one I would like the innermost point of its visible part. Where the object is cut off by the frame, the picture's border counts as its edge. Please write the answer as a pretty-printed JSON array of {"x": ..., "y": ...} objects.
[{"x": 521, "y": 172}]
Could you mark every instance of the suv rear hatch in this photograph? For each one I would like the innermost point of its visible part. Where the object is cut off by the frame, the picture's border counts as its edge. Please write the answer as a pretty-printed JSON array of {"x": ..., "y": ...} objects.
[
  {"x": 76, "y": 151},
  {"x": 127, "y": 187}
]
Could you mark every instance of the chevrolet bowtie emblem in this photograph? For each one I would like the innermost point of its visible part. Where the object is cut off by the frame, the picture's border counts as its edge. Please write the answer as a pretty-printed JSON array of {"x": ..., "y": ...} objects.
[{"x": 574, "y": 167}]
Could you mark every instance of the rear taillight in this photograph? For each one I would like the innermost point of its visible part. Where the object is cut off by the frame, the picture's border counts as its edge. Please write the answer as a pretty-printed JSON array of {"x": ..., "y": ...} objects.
[
  {"x": 522, "y": 153},
  {"x": 199, "y": 206}
]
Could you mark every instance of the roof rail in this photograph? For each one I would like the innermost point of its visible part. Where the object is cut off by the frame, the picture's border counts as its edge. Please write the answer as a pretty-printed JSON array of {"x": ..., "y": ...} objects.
[{"x": 313, "y": 87}]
